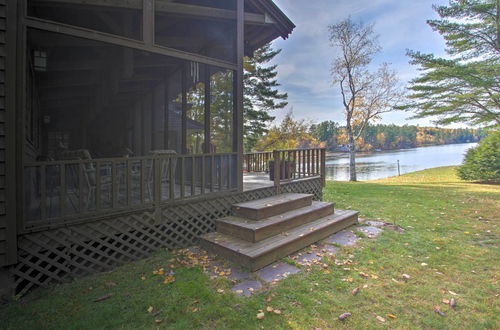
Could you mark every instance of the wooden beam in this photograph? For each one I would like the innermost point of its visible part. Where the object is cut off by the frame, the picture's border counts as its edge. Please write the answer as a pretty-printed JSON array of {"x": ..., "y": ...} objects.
[
  {"x": 168, "y": 8},
  {"x": 125, "y": 42}
]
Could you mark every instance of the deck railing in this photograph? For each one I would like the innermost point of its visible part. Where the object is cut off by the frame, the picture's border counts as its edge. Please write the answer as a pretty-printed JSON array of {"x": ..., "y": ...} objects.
[
  {"x": 56, "y": 191},
  {"x": 287, "y": 165}
]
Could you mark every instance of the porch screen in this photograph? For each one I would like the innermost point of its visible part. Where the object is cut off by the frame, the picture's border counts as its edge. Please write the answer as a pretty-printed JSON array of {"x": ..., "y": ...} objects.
[
  {"x": 122, "y": 18},
  {"x": 98, "y": 116}
]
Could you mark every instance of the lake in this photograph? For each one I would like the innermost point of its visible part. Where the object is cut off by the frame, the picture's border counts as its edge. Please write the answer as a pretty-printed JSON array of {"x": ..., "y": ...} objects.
[{"x": 383, "y": 164}]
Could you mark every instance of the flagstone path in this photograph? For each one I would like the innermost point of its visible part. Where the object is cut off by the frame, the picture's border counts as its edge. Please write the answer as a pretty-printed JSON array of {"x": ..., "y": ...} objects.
[{"x": 247, "y": 283}]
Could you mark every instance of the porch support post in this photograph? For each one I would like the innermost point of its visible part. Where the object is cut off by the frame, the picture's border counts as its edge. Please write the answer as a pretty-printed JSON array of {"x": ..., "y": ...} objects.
[
  {"x": 148, "y": 19},
  {"x": 238, "y": 118},
  {"x": 323, "y": 166}
]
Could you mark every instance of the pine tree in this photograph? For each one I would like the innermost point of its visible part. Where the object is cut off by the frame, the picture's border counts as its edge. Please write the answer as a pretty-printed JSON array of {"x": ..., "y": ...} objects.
[
  {"x": 466, "y": 86},
  {"x": 261, "y": 94}
]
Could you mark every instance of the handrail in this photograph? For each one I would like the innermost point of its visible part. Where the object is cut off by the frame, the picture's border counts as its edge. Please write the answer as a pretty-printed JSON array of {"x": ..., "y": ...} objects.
[
  {"x": 288, "y": 164},
  {"x": 57, "y": 190}
]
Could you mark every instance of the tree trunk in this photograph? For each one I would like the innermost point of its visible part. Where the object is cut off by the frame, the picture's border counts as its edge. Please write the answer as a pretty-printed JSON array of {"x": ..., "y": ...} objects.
[{"x": 352, "y": 154}]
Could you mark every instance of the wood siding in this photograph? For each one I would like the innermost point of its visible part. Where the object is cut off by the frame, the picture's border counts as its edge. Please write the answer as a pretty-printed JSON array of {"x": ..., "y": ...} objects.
[
  {"x": 3, "y": 216},
  {"x": 8, "y": 232}
]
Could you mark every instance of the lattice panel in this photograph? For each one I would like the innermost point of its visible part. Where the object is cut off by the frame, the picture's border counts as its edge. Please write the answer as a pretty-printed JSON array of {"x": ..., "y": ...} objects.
[{"x": 61, "y": 254}]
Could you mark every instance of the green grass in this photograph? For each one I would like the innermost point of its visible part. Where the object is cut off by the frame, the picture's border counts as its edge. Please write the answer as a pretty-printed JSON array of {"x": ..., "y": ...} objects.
[{"x": 450, "y": 225}]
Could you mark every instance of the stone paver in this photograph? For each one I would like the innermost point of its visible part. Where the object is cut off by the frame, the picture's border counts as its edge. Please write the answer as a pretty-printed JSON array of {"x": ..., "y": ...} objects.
[
  {"x": 313, "y": 255},
  {"x": 247, "y": 288},
  {"x": 276, "y": 271},
  {"x": 237, "y": 274},
  {"x": 343, "y": 237},
  {"x": 370, "y": 231},
  {"x": 376, "y": 223}
]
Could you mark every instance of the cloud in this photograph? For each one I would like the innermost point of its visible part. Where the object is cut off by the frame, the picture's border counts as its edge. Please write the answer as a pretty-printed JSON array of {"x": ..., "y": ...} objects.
[{"x": 304, "y": 64}]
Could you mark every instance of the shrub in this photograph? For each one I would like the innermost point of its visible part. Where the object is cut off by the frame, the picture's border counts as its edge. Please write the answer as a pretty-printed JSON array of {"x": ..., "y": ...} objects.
[{"x": 483, "y": 162}]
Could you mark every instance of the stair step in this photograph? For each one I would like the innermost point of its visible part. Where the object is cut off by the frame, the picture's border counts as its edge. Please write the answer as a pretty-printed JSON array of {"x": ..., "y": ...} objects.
[
  {"x": 254, "y": 231},
  {"x": 271, "y": 206},
  {"x": 254, "y": 256}
]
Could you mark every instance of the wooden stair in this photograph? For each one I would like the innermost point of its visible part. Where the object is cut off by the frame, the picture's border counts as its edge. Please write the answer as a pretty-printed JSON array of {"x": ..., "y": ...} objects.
[{"x": 268, "y": 229}]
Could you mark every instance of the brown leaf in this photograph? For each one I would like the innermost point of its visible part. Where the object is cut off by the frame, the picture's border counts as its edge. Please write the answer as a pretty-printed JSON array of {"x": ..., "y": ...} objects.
[
  {"x": 150, "y": 309},
  {"x": 355, "y": 291},
  {"x": 109, "y": 295},
  {"x": 363, "y": 274},
  {"x": 158, "y": 321},
  {"x": 344, "y": 316},
  {"x": 453, "y": 303},
  {"x": 445, "y": 301},
  {"x": 277, "y": 312},
  {"x": 392, "y": 316},
  {"x": 260, "y": 315},
  {"x": 269, "y": 309},
  {"x": 380, "y": 318},
  {"x": 438, "y": 311}
]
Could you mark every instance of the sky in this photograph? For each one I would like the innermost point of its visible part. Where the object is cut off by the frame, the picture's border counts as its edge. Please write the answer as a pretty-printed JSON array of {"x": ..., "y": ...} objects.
[{"x": 306, "y": 57}]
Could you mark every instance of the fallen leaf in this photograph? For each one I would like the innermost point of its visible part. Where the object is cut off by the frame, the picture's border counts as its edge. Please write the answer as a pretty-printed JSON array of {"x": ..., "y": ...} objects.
[
  {"x": 158, "y": 321},
  {"x": 423, "y": 264},
  {"x": 344, "y": 316},
  {"x": 109, "y": 295},
  {"x": 269, "y": 309},
  {"x": 355, "y": 291},
  {"x": 277, "y": 312},
  {"x": 143, "y": 278},
  {"x": 194, "y": 310},
  {"x": 380, "y": 318},
  {"x": 260, "y": 315},
  {"x": 222, "y": 273},
  {"x": 445, "y": 301},
  {"x": 453, "y": 303},
  {"x": 150, "y": 309},
  {"x": 362, "y": 274},
  {"x": 406, "y": 277},
  {"x": 169, "y": 279},
  {"x": 392, "y": 316},
  {"x": 220, "y": 291},
  {"x": 438, "y": 311},
  {"x": 239, "y": 291},
  {"x": 453, "y": 293}
]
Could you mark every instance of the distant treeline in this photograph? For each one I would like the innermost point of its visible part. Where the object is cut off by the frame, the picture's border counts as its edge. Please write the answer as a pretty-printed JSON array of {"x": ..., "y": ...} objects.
[{"x": 385, "y": 137}]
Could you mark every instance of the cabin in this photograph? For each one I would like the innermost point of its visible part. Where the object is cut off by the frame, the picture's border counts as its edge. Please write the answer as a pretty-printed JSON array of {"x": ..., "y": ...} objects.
[{"x": 121, "y": 127}]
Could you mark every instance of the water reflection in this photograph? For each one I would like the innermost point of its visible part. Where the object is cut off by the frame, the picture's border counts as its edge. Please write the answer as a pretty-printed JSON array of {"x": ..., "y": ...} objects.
[{"x": 377, "y": 165}]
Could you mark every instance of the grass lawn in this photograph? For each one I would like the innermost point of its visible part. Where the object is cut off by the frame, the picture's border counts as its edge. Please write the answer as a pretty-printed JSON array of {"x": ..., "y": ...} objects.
[{"x": 450, "y": 248}]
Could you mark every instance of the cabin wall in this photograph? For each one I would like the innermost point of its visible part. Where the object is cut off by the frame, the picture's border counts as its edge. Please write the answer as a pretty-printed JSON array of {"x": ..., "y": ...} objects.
[
  {"x": 3, "y": 147},
  {"x": 8, "y": 230}
]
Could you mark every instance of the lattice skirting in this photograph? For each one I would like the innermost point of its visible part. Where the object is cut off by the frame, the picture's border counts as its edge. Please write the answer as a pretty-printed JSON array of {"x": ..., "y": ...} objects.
[{"x": 61, "y": 254}]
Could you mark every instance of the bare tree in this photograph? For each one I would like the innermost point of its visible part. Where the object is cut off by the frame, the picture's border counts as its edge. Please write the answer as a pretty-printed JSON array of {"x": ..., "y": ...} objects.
[{"x": 365, "y": 95}]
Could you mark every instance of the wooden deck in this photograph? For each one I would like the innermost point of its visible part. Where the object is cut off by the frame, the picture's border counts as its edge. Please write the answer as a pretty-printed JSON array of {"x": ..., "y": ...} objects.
[{"x": 256, "y": 180}]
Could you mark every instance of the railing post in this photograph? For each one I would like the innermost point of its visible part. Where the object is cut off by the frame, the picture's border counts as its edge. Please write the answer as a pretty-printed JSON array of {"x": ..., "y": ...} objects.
[
  {"x": 277, "y": 168},
  {"x": 323, "y": 166},
  {"x": 156, "y": 198}
]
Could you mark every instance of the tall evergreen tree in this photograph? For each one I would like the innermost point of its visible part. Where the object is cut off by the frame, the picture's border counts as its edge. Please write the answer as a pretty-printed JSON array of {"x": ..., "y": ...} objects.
[
  {"x": 465, "y": 87},
  {"x": 261, "y": 94}
]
